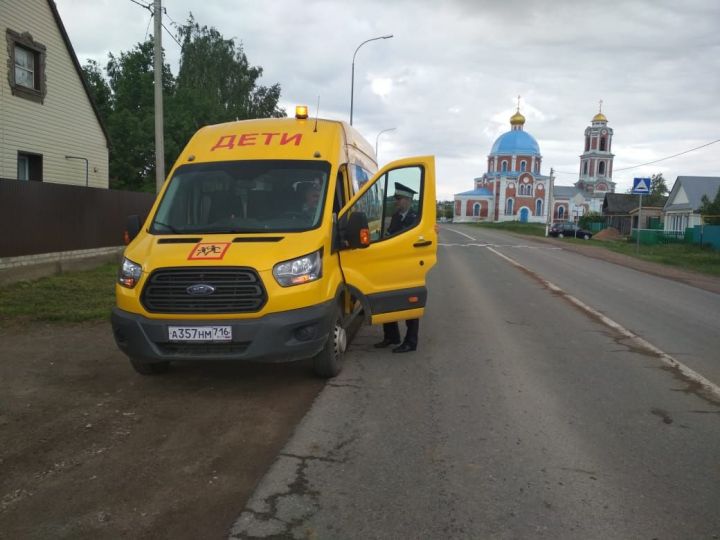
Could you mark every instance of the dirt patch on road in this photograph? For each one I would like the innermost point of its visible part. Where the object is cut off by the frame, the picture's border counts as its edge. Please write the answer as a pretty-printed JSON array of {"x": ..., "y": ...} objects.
[{"x": 90, "y": 449}]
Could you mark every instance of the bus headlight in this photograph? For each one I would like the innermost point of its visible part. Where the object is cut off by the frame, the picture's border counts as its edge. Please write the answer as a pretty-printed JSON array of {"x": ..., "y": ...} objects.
[
  {"x": 298, "y": 271},
  {"x": 129, "y": 273}
]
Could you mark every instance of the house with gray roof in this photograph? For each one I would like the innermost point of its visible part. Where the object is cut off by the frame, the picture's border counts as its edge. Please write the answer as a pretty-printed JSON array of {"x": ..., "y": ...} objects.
[
  {"x": 616, "y": 209},
  {"x": 682, "y": 209}
]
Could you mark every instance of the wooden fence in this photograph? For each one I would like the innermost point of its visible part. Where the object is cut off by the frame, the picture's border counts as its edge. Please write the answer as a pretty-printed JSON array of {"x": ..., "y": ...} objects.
[{"x": 41, "y": 217}]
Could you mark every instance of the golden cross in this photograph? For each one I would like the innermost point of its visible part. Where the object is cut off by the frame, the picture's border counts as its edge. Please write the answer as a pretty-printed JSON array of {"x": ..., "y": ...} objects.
[{"x": 601, "y": 105}]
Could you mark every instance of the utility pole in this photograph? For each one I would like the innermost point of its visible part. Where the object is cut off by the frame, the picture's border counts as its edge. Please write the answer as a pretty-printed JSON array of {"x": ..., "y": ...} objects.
[
  {"x": 550, "y": 210},
  {"x": 158, "y": 68}
]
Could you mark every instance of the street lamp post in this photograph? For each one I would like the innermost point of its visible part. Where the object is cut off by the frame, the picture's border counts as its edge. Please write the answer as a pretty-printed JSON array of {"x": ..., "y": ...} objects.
[
  {"x": 352, "y": 79},
  {"x": 378, "y": 138}
]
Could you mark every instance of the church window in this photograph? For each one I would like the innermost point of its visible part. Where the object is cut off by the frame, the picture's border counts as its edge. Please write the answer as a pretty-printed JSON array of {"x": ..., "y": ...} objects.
[
  {"x": 476, "y": 209},
  {"x": 602, "y": 144},
  {"x": 538, "y": 207},
  {"x": 561, "y": 212},
  {"x": 587, "y": 143},
  {"x": 601, "y": 168},
  {"x": 504, "y": 166},
  {"x": 585, "y": 165},
  {"x": 509, "y": 207},
  {"x": 523, "y": 165}
]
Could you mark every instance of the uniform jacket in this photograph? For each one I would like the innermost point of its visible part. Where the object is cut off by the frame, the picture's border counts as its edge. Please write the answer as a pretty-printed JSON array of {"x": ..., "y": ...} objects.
[{"x": 398, "y": 224}]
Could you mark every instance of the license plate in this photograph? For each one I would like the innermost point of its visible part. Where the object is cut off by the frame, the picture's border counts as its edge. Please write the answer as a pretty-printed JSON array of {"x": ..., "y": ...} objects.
[{"x": 200, "y": 333}]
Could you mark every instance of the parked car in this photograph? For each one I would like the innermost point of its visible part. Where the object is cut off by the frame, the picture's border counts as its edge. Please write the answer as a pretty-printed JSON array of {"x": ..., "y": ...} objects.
[{"x": 564, "y": 229}]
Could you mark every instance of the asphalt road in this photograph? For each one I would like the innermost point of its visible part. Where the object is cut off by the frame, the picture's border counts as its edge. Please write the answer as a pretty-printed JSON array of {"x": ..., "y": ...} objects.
[{"x": 520, "y": 416}]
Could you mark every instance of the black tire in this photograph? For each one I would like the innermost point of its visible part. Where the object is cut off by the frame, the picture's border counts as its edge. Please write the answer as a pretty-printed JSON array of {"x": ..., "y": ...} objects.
[
  {"x": 586, "y": 237},
  {"x": 149, "y": 368},
  {"x": 328, "y": 362},
  {"x": 561, "y": 235}
]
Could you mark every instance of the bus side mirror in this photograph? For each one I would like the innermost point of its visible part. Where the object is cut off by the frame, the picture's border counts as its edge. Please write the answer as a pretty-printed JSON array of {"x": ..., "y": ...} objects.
[
  {"x": 357, "y": 231},
  {"x": 132, "y": 227}
]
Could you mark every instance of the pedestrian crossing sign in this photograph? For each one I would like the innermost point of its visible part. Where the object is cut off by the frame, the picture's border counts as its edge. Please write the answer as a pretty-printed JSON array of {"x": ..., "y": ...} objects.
[{"x": 641, "y": 186}]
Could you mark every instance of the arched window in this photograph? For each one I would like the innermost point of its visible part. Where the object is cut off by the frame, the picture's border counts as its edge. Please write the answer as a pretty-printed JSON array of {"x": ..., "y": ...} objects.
[
  {"x": 601, "y": 168},
  {"x": 476, "y": 209},
  {"x": 504, "y": 166},
  {"x": 585, "y": 164},
  {"x": 509, "y": 207},
  {"x": 587, "y": 143},
  {"x": 538, "y": 207},
  {"x": 602, "y": 144},
  {"x": 523, "y": 164},
  {"x": 561, "y": 212}
]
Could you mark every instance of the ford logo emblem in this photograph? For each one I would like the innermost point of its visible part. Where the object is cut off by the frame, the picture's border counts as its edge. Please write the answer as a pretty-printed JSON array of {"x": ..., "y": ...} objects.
[{"x": 200, "y": 289}]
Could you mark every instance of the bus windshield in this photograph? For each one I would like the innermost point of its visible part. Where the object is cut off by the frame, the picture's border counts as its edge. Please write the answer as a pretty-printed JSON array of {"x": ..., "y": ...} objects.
[{"x": 243, "y": 196}]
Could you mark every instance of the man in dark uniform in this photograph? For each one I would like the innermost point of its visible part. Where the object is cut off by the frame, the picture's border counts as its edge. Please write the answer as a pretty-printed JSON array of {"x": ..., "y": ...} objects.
[{"x": 403, "y": 218}]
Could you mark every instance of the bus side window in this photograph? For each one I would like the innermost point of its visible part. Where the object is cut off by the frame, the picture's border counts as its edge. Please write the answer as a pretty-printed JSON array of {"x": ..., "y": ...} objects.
[{"x": 339, "y": 200}]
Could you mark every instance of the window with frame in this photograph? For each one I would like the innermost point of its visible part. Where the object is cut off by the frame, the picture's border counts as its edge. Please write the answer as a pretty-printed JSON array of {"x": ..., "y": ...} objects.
[
  {"x": 26, "y": 66},
  {"x": 476, "y": 210},
  {"x": 29, "y": 167},
  {"x": 393, "y": 204}
]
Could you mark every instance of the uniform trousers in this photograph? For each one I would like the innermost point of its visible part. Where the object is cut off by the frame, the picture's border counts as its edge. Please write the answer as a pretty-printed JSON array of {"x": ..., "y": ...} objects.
[{"x": 391, "y": 332}]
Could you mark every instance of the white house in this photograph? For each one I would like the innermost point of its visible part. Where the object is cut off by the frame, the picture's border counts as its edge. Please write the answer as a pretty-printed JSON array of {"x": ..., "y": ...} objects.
[
  {"x": 682, "y": 207},
  {"x": 50, "y": 129}
]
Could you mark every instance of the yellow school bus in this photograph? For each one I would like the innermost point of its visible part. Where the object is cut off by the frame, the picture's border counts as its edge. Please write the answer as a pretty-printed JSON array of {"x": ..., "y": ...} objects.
[{"x": 267, "y": 241}]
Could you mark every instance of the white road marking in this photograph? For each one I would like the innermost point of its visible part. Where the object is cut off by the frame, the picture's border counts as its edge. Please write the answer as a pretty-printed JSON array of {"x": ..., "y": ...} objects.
[
  {"x": 665, "y": 358},
  {"x": 472, "y": 244},
  {"x": 461, "y": 233},
  {"x": 451, "y": 244}
]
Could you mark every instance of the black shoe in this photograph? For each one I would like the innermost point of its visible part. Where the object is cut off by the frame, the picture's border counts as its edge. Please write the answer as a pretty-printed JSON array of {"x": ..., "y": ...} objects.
[
  {"x": 385, "y": 343},
  {"x": 404, "y": 348}
]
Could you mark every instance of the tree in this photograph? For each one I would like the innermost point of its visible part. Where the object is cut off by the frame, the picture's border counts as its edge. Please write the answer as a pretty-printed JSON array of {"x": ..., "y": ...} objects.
[
  {"x": 658, "y": 190},
  {"x": 588, "y": 219},
  {"x": 215, "y": 83},
  {"x": 99, "y": 89},
  {"x": 710, "y": 210},
  {"x": 132, "y": 120}
]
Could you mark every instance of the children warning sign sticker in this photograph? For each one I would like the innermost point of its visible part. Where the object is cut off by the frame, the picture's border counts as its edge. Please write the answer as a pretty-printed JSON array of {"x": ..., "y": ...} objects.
[{"x": 214, "y": 250}]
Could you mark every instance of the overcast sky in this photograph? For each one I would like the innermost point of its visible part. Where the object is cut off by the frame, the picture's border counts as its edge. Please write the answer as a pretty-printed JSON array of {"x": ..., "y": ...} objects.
[{"x": 448, "y": 80}]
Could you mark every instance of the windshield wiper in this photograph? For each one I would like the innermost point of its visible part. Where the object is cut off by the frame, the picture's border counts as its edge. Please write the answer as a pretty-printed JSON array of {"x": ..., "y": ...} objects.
[
  {"x": 231, "y": 230},
  {"x": 172, "y": 229}
]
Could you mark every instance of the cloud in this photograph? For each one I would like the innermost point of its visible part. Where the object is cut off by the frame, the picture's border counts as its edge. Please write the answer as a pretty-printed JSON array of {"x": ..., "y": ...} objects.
[{"x": 449, "y": 78}]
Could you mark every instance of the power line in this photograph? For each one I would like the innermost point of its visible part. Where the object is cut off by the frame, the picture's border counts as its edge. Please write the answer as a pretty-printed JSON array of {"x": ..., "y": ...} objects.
[
  {"x": 657, "y": 160},
  {"x": 668, "y": 157},
  {"x": 168, "y": 16},
  {"x": 141, "y": 4},
  {"x": 147, "y": 29},
  {"x": 170, "y": 34}
]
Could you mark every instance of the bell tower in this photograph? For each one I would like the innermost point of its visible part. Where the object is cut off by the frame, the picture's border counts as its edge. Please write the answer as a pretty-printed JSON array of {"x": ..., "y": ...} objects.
[{"x": 596, "y": 162}]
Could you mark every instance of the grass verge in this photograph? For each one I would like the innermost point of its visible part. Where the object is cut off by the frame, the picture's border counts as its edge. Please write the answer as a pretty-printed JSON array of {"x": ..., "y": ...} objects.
[
  {"x": 687, "y": 256},
  {"x": 69, "y": 297},
  {"x": 680, "y": 255}
]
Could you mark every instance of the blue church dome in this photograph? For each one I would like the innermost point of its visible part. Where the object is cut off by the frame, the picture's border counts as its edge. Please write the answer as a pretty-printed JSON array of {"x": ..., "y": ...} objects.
[{"x": 516, "y": 142}]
